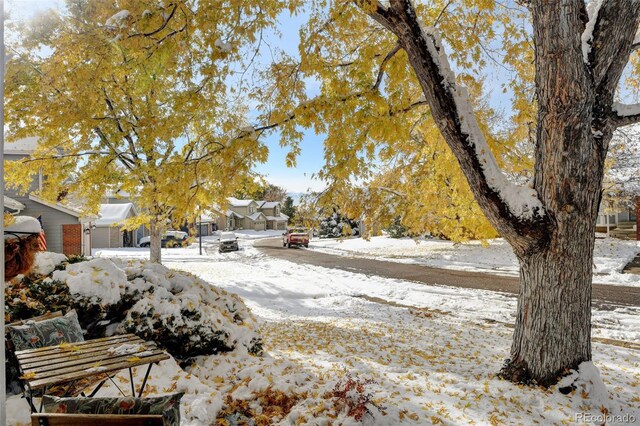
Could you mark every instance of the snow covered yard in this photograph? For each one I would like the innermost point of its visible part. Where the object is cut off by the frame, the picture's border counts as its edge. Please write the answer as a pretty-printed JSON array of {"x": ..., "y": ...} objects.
[
  {"x": 334, "y": 355},
  {"x": 610, "y": 255},
  {"x": 435, "y": 362}
]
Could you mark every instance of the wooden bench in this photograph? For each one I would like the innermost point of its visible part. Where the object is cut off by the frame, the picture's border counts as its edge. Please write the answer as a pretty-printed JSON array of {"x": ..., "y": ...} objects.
[
  {"x": 51, "y": 419},
  {"x": 67, "y": 363}
]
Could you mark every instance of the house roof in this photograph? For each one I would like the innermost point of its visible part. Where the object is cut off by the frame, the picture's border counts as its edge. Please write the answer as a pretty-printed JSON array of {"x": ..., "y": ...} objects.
[
  {"x": 120, "y": 194},
  {"x": 267, "y": 204},
  {"x": 256, "y": 216},
  {"x": 235, "y": 202},
  {"x": 11, "y": 204},
  {"x": 207, "y": 216},
  {"x": 114, "y": 213},
  {"x": 63, "y": 208},
  {"x": 21, "y": 146},
  {"x": 281, "y": 218}
]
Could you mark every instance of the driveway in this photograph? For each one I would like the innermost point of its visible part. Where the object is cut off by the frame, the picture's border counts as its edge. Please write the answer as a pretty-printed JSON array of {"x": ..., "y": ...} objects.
[{"x": 604, "y": 296}]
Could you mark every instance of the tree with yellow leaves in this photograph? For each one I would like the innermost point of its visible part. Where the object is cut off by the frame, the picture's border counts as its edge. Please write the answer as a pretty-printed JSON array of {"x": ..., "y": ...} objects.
[
  {"x": 390, "y": 102},
  {"x": 138, "y": 97}
]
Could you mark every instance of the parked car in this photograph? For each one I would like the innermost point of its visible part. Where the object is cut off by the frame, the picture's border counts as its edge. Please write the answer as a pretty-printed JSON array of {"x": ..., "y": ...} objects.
[
  {"x": 228, "y": 242},
  {"x": 169, "y": 239},
  {"x": 295, "y": 237}
]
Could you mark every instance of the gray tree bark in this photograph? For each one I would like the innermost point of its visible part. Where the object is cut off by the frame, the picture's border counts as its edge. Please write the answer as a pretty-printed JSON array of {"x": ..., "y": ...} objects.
[
  {"x": 155, "y": 241},
  {"x": 575, "y": 124}
]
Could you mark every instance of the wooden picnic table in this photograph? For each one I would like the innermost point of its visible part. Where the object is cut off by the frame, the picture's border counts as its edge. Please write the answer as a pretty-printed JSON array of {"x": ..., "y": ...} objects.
[{"x": 67, "y": 363}]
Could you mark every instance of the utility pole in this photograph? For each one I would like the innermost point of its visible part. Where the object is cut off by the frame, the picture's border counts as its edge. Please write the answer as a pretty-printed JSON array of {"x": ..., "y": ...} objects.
[{"x": 200, "y": 233}]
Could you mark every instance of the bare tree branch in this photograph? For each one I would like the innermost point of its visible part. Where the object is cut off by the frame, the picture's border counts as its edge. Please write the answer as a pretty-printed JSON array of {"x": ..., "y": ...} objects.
[
  {"x": 383, "y": 64},
  {"x": 57, "y": 157}
]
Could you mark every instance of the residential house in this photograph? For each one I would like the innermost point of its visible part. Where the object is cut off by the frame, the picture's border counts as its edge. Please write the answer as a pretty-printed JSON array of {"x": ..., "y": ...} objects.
[
  {"x": 247, "y": 215},
  {"x": 620, "y": 222},
  {"x": 209, "y": 222},
  {"x": 275, "y": 218},
  {"x": 219, "y": 218},
  {"x": 108, "y": 233},
  {"x": 66, "y": 228}
]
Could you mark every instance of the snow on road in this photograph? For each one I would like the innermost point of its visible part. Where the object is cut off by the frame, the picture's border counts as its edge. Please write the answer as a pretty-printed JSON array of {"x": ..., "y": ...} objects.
[
  {"x": 610, "y": 255},
  {"x": 431, "y": 364}
]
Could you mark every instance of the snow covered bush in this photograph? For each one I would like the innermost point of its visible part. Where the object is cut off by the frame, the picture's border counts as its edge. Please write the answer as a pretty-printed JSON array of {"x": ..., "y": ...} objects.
[
  {"x": 396, "y": 229},
  {"x": 336, "y": 226},
  {"x": 182, "y": 313},
  {"x": 185, "y": 314}
]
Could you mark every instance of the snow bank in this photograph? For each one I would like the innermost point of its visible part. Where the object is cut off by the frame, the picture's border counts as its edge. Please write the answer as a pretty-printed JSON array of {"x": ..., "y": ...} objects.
[
  {"x": 181, "y": 304},
  {"x": 18, "y": 411},
  {"x": 589, "y": 384},
  {"x": 98, "y": 280},
  {"x": 46, "y": 261},
  {"x": 182, "y": 313}
]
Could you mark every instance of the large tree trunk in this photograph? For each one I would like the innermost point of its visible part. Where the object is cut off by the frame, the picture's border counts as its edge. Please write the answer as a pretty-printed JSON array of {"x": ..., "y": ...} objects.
[
  {"x": 575, "y": 89},
  {"x": 553, "y": 322},
  {"x": 155, "y": 243}
]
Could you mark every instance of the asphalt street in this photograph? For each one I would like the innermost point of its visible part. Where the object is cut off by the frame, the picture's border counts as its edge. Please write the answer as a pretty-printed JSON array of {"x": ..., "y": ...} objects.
[{"x": 603, "y": 296}]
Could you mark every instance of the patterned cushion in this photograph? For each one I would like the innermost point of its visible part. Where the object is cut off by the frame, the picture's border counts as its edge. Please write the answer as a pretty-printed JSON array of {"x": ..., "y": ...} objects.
[
  {"x": 167, "y": 405},
  {"x": 54, "y": 331}
]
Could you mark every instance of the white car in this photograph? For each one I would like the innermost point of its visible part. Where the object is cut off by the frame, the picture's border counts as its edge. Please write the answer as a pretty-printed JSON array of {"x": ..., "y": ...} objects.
[{"x": 169, "y": 239}]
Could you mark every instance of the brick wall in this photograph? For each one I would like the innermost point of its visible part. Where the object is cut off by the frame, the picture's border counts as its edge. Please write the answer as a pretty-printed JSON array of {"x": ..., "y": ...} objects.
[{"x": 72, "y": 239}]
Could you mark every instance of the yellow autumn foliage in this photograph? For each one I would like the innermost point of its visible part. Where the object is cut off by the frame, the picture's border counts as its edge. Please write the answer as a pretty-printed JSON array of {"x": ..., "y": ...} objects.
[
  {"x": 135, "y": 97},
  {"x": 384, "y": 156}
]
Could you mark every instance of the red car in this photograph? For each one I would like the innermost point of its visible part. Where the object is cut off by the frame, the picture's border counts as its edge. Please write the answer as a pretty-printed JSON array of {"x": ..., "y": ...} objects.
[{"x": 295, "y": 237}]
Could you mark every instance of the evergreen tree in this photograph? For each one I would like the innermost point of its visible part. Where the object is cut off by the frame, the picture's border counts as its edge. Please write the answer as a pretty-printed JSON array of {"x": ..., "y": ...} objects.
[
  {"x": 396, "y": 229},
  {"x": 289, "y": 209},
  {"x": 337, "y": 226}
]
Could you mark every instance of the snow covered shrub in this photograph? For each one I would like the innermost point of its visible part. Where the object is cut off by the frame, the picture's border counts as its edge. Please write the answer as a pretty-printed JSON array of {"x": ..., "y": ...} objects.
[
  {"x": 396, "y": 229},
  {"x": 182, "y": 313},
  {"x": 336, "y": 226},
  {"x": 185, "y": 314}
]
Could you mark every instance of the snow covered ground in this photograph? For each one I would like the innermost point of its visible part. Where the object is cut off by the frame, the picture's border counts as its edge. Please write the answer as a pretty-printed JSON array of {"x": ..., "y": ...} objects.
[
  {"x": 610, "y": 255},
  {"x": 429, "y": 359}
]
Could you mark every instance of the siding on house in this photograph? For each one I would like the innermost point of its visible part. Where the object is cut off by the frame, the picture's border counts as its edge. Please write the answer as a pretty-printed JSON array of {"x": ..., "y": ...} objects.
[
  {"x": 100, "y": 238},
  {"x": 53, "y": 220},
  {"x": 115, "y": 237}
]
